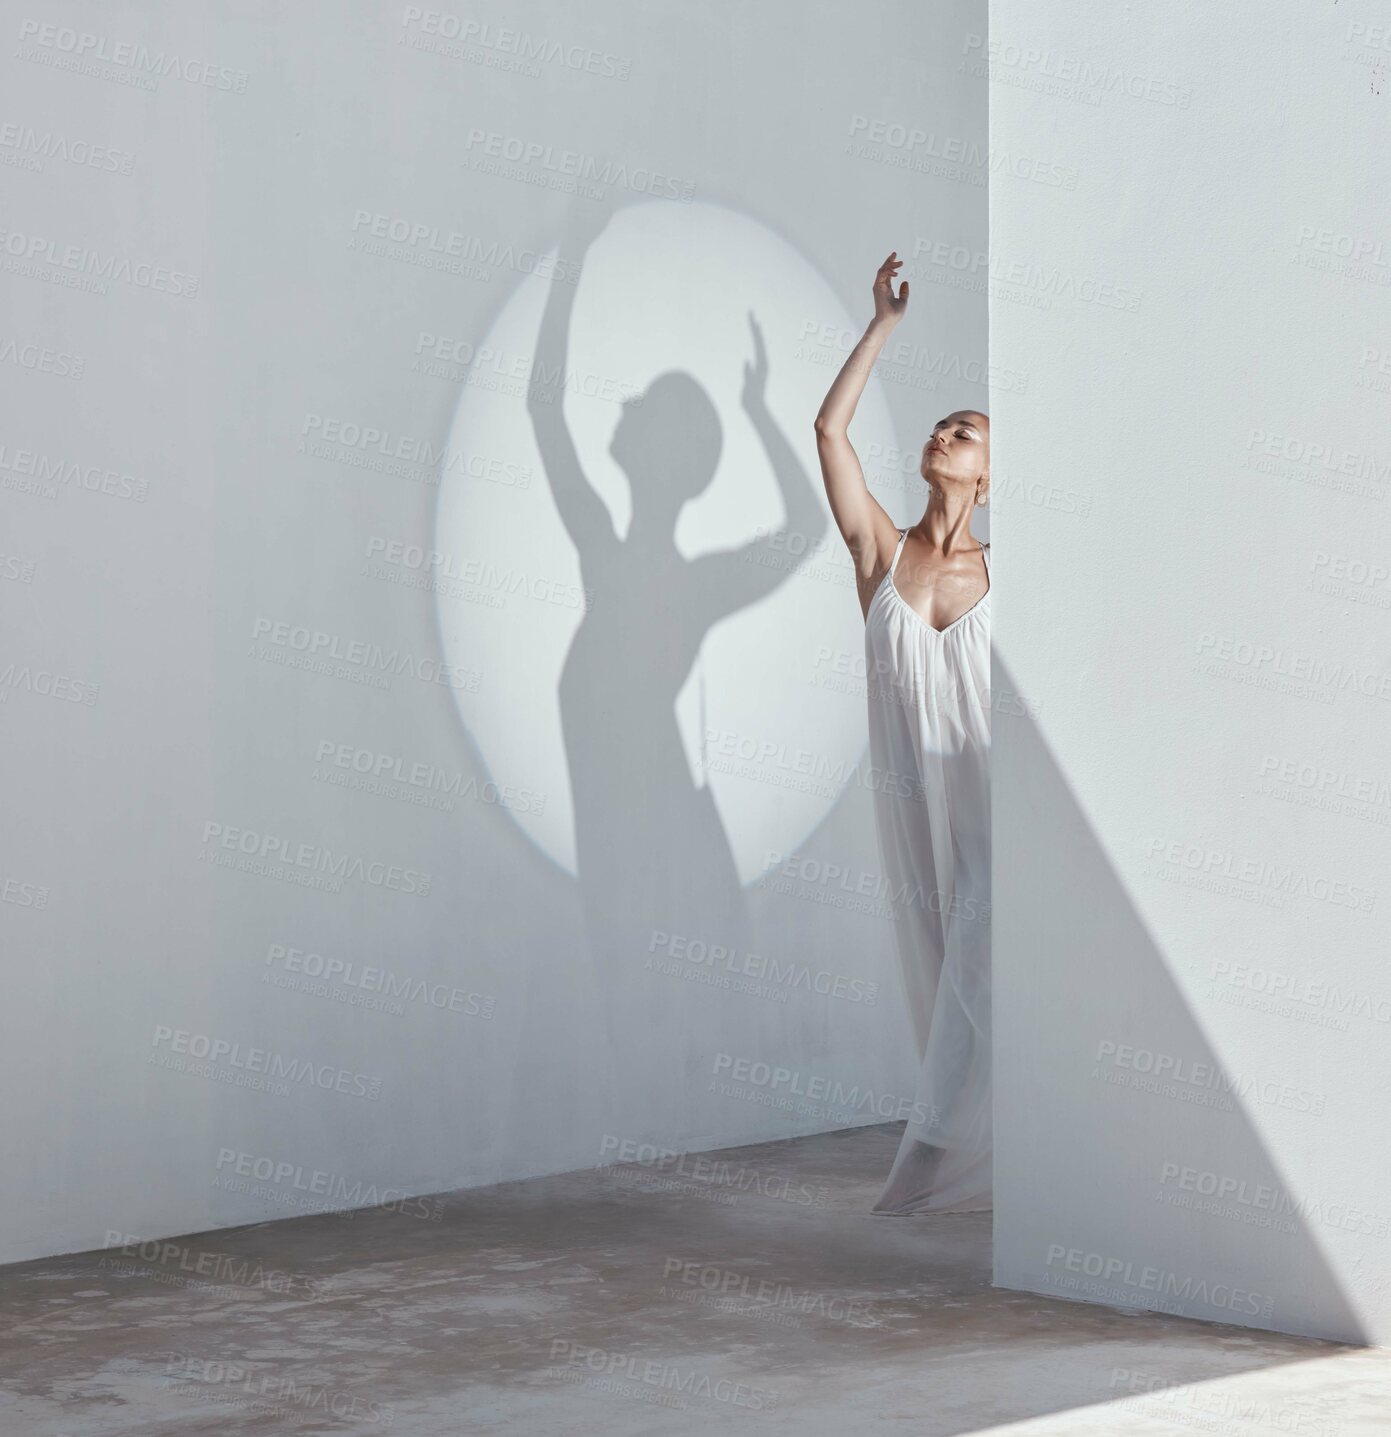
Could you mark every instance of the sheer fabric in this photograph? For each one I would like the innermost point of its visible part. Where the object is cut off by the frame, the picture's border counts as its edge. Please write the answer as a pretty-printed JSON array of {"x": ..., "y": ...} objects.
[{"x": 929, "y": 731}]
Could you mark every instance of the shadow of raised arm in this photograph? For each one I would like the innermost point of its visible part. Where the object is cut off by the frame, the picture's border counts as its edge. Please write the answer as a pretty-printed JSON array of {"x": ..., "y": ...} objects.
[
  {"x": 585, "y": 515},
  {"x": 733, "y": 578}
]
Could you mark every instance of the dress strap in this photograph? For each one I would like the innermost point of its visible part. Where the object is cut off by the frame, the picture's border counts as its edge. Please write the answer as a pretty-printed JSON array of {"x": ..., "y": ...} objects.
[
  {"x": 985, "y": 554},
  {"x": 902, "y": 535}
]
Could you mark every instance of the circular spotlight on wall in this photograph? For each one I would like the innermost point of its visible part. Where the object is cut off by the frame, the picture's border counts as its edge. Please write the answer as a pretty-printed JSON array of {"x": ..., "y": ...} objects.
[{"x": 752, "y": 683}]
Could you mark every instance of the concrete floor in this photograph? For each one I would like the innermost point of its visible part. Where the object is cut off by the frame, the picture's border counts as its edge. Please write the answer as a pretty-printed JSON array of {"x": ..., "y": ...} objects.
[{"x": 759, "y": 1298}]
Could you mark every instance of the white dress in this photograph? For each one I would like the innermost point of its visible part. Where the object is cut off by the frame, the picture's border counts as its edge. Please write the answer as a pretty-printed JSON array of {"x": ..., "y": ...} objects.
[{"x": 929, "y": 739}]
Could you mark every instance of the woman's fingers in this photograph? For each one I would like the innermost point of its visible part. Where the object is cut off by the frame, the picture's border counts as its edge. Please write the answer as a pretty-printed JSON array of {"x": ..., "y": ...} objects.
[{"x": 884, "y": 285}]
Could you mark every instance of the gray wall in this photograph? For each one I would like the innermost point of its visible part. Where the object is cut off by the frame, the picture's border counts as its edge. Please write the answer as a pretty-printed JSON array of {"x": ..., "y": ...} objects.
[
  {"x": 295, "y": 812},
  {"x": 1191, "y": 825}
]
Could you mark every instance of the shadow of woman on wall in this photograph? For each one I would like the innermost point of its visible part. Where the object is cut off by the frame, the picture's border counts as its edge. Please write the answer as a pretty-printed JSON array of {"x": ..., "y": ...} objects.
[{"x": 653, "y": 857}]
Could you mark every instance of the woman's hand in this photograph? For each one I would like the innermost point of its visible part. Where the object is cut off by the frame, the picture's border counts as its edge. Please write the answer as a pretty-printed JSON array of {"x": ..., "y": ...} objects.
[{"x": 888, "y": 307}]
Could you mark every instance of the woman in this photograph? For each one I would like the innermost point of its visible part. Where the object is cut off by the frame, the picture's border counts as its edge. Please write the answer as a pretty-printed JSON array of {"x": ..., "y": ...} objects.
[{"x": 925, "y": 594}]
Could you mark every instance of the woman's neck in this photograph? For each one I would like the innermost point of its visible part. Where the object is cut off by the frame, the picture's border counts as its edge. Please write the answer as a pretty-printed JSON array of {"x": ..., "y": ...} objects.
[{"x": 946, "y": 523}]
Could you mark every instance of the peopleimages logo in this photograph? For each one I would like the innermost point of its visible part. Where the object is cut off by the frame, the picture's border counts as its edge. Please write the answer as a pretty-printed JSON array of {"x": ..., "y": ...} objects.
[
  {"x": 1173, "y": 1075},
  {"x": 1043, "y": 280},
  {"x": 717, "y": 1173},
  {"x": 788, "y": 974},
  {"x": 176, "y": 1261},
  {"x": 24, "y": 143},
  {"x": 540, "y": 156},
  {"x": 1073, "y": 71},
  {"x": 789, "y": 1083},
  {"x": 317, "y": 650},
  {"x": 1277, "y": 878},
  {"x": 912, "y": 147},
  {"x": 1326, "y": 454},
  {"x": 445, "y": 244},
  {"x": 238, "y": 1172},
  {"x": 143, "y": 274},
  {"x": 90, "y": 48},
  {"x": 1127, "y": 1275},
  {"x": 41, "y": 359},
  {"x": 48, "y": 685},
  {"x": 235, "y": 1386},
  {"x": 368, "y": 978},
  {"x": 519, "y": 47},
  {"x": 220, "y": 1052},
  {"x": 727, "y": 1284},
  {"x": 1209, "y": 1407},
  {"x": 832, "y": 882},
  {"x": 575, "y": 1358},
  {"x": 1300, "y": 988},
  {"x": 314, "y": 857},
  {"x": 1231, "y": 1195},
  {"x": 481, "y": 575},
  {"x": 47, "y": 473},
  {"x": 417, "y": 781}
]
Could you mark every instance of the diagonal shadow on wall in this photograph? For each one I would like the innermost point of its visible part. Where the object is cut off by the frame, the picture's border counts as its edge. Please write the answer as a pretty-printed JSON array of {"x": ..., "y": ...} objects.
[{"x": 1114, "y": 1113}]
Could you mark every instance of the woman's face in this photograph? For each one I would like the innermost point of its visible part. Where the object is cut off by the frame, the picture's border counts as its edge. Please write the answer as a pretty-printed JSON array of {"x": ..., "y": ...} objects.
[{"x": 959, "y": 449}]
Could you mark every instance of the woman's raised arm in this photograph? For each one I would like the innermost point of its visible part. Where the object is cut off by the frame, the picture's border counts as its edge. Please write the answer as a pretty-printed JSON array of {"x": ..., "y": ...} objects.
[{"x": 863, "y": 524}]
